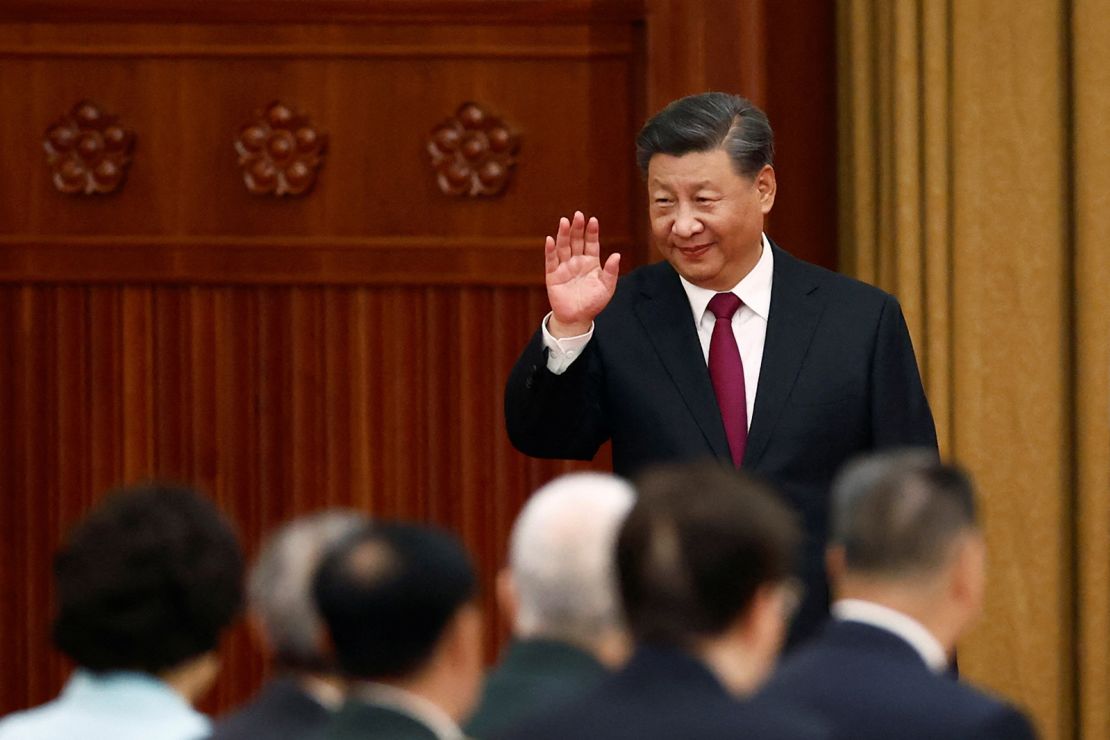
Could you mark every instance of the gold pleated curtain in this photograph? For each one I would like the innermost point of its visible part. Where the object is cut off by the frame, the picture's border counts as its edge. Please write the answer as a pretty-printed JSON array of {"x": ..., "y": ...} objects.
[{"x": 975, "y": 186}]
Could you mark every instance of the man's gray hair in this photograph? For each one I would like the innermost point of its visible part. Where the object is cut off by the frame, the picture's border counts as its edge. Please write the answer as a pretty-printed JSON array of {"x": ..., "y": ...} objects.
[
  {"x": 897, "y": 513},
  {"x": 704, "y": 123},
  {"x": 279, "y": 588},
  {"x": 561, "y": 556}
]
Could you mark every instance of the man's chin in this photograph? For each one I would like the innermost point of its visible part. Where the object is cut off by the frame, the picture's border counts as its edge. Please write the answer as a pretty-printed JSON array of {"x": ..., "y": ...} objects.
[{"x": 699, "y": 274}]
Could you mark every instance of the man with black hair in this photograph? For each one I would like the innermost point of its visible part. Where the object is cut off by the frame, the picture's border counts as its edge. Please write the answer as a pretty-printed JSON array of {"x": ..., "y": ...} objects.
[
  {"x": 704, "y": 562},
  {"x": 907, "y": 561},
  {"x": 399, "y": 604},
  {"x": 730, "y": 348},
  {"x": 304, "y": 689},
  {"x": 145, "y": 585}
]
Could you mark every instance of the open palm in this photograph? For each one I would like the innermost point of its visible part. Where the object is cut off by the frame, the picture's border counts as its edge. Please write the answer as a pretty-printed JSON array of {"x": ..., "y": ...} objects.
[{"x": 578, "y": 286}]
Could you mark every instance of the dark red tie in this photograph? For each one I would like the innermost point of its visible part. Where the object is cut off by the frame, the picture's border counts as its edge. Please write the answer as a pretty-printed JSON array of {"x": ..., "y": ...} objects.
[{"x": 726, "y": 370}]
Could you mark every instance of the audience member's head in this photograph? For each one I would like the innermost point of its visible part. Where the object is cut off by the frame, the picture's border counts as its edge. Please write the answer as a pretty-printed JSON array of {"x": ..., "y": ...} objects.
[
  {"x": 561, "y": 580},
  {"x": 399, "y": 604},
  {"x": 279, "y": 588},
  {"x": 147, "y": 582},
  {"x": 705, "y": 559},
  {"x": 905, "y": 534}
]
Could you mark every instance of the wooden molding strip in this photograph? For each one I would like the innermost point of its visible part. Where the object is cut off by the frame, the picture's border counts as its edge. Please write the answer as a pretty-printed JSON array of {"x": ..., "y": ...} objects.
[
  {"x": 260, "y": 260},
  {"x": 317, "y": 51},
  {"x": 561, "y": 12}
]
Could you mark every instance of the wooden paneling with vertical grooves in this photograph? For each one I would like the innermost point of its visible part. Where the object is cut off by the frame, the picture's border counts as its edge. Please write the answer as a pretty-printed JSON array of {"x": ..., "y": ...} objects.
[
  {"x": 278, "y": 400},
  {"x": 347, "y": 348}
]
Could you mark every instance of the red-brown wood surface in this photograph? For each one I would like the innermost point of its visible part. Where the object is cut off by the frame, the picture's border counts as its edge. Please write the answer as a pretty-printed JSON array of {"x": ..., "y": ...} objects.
[
  {"x": 346, "y": 347},
  {"x": 277, "y": 400}
]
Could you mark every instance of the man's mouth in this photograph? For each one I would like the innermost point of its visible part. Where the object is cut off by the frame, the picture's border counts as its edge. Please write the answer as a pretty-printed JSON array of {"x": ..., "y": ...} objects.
[{"x": 694, "y": 250}]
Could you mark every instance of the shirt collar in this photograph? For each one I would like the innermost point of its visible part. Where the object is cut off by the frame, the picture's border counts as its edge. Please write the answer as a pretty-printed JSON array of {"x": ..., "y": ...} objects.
[
  {"x": 141, "y": 687},
  {"x": 420, "y": 709},
  {"x": 754, "y": 289},
  {"x": 909, "y": 629}
]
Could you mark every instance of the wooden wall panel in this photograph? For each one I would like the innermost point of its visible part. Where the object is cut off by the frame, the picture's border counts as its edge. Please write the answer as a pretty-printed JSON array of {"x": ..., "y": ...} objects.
[
  {"x": 347, "y": 348},
  {"x": 277, "y": 400},
  {"x": 376, "y": 214}
]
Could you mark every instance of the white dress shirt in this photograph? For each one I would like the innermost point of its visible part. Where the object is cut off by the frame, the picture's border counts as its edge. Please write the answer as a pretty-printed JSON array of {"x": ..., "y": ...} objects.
[
  {"x": 749, "y": 324},
  {"x": 902, "y": 625}
]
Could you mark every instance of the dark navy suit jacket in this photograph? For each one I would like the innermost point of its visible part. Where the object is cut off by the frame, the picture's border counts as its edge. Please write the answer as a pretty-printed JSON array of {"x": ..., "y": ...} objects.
[
  {"x": 664, "y": 694},
  {"x": 838, "y": 378},
  {"x": 280, "y": 711},
  {"x": 870, "y": 684}
]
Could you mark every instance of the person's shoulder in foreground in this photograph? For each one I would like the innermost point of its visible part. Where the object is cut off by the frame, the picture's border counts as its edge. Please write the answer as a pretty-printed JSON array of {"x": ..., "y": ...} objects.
[
  {"x": 662, "y": 694},
  {"x": 876, "y": 690},
  {"x": 908, "y": 563}
]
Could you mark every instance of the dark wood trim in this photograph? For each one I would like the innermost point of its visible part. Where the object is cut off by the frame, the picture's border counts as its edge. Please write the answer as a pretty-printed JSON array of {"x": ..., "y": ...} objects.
[
  {"x": 260, "y": 260},
  {"x": 324, "y": 11}
]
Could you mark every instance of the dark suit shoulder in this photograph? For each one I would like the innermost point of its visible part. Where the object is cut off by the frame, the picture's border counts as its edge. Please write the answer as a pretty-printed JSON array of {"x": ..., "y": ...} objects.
[
  {"x": 796, "y": 270},
  {"x": 280, "y": 710},
  {"x": 870, "y": 683}
]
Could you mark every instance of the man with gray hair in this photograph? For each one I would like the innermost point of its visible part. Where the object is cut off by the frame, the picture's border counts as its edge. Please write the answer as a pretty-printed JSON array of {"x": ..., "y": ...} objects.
[
  {"x": 305, "y": 688},
  {"x": 907, "y": 561},
  {"x": 559, "y": 594}
]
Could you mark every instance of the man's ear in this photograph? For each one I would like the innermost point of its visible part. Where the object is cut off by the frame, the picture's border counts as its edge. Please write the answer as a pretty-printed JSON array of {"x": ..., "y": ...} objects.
[
  {"x": 835, "y": 564},
  {"x": 967, "y": 575},
  {"x": 507, "y": 599},
  {"x": 464, "y": 637},
  {"x": 767, "y": 186}
]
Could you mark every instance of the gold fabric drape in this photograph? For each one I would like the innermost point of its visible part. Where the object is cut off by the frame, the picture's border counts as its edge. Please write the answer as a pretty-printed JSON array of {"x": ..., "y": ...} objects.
[{"x": 975, "y": 184}]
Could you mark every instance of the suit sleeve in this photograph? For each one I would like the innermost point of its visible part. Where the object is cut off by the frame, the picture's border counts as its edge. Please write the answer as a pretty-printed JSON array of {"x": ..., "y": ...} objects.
[
  {"x": 900, "y": 415},
  {"x": 1008, "y": 724},
  {"x": 556, "y": 416}
]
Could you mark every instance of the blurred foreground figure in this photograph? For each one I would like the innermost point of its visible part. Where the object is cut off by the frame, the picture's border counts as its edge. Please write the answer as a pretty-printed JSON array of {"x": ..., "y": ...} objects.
[
  {"x": 560, "y": 595},
  {"x": 908, "y": 563},
  {"x": 399, "y": 604},
  {"x": 304, "y": 689},
  {"x": 144, "y": 587},
  {"x": 703, "y": 562}
]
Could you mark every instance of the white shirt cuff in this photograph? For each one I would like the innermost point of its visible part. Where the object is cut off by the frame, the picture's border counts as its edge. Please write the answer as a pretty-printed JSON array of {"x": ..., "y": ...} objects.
[{"x": 561, "y": 352}]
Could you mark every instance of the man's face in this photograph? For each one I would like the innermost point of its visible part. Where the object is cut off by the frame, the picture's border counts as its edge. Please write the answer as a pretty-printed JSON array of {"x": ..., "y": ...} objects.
[{"x": 707, "y": 220}]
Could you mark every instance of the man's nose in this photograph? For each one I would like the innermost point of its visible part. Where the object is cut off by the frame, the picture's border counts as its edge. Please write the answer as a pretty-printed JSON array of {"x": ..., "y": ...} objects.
[{"x": 686, "y": 223}]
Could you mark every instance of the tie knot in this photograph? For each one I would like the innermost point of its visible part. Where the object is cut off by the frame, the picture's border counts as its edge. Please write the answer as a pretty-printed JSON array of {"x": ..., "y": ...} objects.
[{"x": 724, "y": 305}]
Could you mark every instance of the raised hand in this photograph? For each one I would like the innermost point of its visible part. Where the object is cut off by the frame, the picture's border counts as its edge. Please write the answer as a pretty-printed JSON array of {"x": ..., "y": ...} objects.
[{"x": 578, "y": 287}]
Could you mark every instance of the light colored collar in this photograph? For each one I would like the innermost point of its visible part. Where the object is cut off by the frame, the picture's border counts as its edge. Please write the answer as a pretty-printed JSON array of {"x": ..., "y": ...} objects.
[
  {"x": 902, "y": 625},
  {"x": 324, "y": 692},
  {"x": 754, "y": 289},
  {"x": 420, "y": 709}
]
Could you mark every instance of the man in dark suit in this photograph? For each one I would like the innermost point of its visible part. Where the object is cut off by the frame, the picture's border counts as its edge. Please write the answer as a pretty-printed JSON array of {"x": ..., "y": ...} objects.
[
  {"x": 908, "y": 561},
  {"x": 304, "y": 689},
  {"x": 399, "y": 604},
  {"x": 559, "y": 593},
  {"x": 703, "y": 562},
  {"x": 731, "y": 348}
]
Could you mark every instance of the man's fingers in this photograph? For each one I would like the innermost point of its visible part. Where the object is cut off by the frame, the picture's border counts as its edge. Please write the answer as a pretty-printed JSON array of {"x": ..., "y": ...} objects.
[
  {"x": 578, "y": 233},
  {"x": 593, "y": 238},
  {"x": 550, "y": 261},
  {"x": 611, "y": 270},
  {"x": 562, "y": 240}
]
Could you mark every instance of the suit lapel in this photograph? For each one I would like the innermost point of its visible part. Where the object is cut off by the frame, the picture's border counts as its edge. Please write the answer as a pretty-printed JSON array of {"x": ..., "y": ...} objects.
[
  {"x": 794, "y": 313},
  {"x": 664, "y": 312}
]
